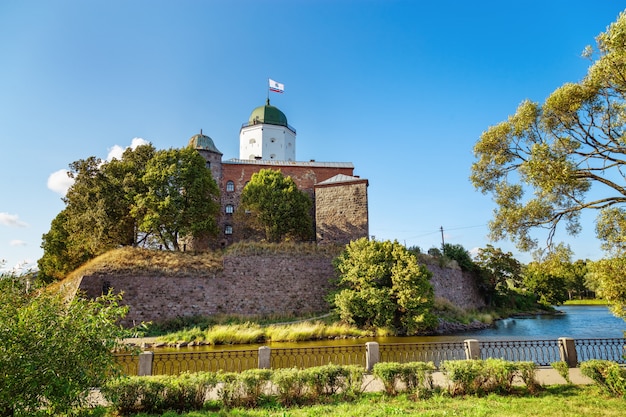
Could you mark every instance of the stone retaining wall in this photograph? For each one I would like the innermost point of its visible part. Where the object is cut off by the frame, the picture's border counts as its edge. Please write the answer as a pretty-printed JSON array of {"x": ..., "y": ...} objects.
[{"x": 251, "y": 285}]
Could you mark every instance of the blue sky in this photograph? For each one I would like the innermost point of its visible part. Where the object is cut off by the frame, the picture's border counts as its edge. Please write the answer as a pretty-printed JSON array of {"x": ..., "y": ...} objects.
[{"x": 402, "y": 89}]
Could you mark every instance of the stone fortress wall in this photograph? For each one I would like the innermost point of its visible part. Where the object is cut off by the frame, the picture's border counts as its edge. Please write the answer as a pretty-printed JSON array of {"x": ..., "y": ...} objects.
[{"x": 252, "y": 285}]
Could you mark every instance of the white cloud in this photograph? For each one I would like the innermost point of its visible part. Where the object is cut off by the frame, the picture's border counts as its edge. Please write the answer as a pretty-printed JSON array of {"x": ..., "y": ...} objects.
[
  {"x": 59, "y": 182},
  {"x": 17, "y": 243},
  {"x": 116, "y": 151},
  {"x": 12, "y": 220}
]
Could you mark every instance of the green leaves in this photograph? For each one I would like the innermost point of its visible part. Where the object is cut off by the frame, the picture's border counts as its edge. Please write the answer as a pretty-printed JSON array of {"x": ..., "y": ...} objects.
[
  {"x": 382, "y": 285},
  {"x": 273, "y": 207},
  {"x": 542, "y": 162}
]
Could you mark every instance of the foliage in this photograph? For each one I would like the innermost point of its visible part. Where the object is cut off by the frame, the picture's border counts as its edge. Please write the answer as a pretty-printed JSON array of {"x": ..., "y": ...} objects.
[
  {"x": 486, "y": 376},
  {"x": 273, "y": 207},
  {"x": 382, "y": 285},
  {"x": 608, "y": 375},
  {"x": 541, "y": 164},
  {"x": 610, "y": 275},
  {"x": 157, "y": 394},
  {"x": 52, "y": 352},
  {"x": 551, "y": 277},
  {"x": 145, "y": 197},
  {"x": 563, "y": 369},
  {"x": 416, "y": 376},
  {"x": 459, "y": 254},
  {"x": 499, "y": 271},
  {"x": 247, "y": 388},
  {"x": 180, "y": 200}
]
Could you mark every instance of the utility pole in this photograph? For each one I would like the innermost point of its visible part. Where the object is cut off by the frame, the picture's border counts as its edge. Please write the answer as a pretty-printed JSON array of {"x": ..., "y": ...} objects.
[{"x": 443, "y": 244}]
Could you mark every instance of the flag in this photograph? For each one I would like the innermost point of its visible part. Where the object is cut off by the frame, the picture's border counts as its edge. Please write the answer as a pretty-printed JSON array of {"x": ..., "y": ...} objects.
[{"x": 276, "y": 87}]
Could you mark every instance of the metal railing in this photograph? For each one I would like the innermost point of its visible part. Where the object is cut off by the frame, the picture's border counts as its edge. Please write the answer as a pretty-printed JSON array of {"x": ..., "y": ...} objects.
[
  {"x": 608, "y": 349},
  {"x": 542, "y": 352},
  {"x": 316, "y": 356},
  {"x": 422, "y": 352},
  {"x": 226, "y": 360}
]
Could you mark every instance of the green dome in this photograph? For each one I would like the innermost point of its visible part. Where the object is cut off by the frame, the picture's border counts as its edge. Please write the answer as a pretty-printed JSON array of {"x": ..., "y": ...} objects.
[
  {"x": 201, "y": 141},
  {"x": 268, "y": 114}
]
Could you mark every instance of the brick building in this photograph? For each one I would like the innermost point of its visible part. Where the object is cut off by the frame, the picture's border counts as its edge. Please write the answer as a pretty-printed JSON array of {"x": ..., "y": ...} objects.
[{"x": 267, "y": 141}]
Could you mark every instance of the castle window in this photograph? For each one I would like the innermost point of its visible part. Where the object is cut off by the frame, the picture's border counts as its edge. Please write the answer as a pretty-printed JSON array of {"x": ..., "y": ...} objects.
[
  {"x": 208, "y": 164},
  {"x": 229, "y": 209},
  {"x": 228, "y": 230},
  {"x": 230, "y": 186},
  {"x": 272, "y": 140},
  {"x": 272, "y": 156},
  {"x": 252, "y": 141}
]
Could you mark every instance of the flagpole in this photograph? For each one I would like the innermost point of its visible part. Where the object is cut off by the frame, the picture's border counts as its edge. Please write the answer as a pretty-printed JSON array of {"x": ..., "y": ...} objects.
[{"x": 268, "y": 89}]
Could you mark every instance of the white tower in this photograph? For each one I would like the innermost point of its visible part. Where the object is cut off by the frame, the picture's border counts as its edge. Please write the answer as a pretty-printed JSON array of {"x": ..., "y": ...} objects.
[{"x": 267, "y": 136}]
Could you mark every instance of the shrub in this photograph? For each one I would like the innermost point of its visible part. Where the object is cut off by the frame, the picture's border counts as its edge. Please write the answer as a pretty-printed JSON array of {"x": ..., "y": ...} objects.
[
  {"x": 325, "y": 380},
  {"x": 247, "y": 388},
  {"x": 416, "y": 376},
  {"x": 156, "y": 394},
  {"x": 485, "y": 376},
  {"x": 52, "y": 351},
  {"x": 290, "y": 384},
  {"x": 608, "y": 375},
  {"x": 563, "y": 369}
]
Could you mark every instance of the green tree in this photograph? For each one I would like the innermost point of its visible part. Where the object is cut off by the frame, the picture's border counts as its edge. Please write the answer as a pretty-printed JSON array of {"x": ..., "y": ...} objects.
[
  {"x": 499, "y": 270},
  {"x": 181, "y": 198},
  {"x": 97, "y": 216},
  {"x": 382, "y": 285},
  {"x": 610, "y": 276},
  {"x": 273, "y": 206},
  {"x": 541, "y": 163},
  {"x": 52, "y": 352},
  {"x": 459, "y": 254}
]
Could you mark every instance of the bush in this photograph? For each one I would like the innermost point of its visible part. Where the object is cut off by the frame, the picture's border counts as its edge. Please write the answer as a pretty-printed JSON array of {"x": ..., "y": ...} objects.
[
  {"x": 608, "y": 375},
  {"x": 157, "y": 394},
  {"x": 563, "y": 369},
  {"x": 416, "y": 376},
  {"x": 486, "y": 376},
  {"x": 247, "y": 388},
  {"x": 290, "y": 384},
  {"x": 52, "y": 352}
]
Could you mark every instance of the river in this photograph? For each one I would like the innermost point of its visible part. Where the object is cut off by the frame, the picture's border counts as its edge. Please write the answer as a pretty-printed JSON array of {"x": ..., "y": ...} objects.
[{"x": 582, "y": 322}]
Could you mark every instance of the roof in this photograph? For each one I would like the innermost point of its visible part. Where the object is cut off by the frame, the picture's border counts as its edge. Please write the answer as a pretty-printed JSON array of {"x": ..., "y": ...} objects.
[
  {"x": 201, "y": 141},
  {"x": 268, "y": 114},
  {"x": 289, "y": 163},
  {"x": 340, "y": 178}
]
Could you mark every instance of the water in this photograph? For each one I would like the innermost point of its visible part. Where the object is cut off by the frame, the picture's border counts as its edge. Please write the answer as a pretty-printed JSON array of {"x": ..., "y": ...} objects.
[
  {"x": 578, "y": 322},
  {"x": 582, "y": 322}
]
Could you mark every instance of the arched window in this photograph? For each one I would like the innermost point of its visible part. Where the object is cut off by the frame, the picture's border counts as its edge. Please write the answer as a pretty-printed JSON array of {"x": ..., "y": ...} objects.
[
  {"x": 229, "y": 209},
  {"x": 230, "y": 186},
  {"x": 252, "y": 141},
  {"x": 228, "y": 230}
]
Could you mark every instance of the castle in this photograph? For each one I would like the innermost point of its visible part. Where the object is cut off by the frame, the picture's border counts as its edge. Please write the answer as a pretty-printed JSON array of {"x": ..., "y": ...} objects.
[{"x": 267, "y": 141}]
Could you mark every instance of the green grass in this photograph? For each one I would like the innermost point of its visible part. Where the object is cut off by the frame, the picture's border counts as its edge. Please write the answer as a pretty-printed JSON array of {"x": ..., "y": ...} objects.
[
  {"x": 554, "y": 401},
  {"x": 594, "y": 302}
]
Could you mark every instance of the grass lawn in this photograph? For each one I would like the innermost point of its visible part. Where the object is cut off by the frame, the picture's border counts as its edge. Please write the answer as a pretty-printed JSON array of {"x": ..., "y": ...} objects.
[{"x": 557, "y": 401}]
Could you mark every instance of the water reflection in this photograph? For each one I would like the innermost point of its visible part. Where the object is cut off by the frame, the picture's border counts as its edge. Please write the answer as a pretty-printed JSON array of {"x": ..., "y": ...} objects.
[{"x": 583, "y": 322}]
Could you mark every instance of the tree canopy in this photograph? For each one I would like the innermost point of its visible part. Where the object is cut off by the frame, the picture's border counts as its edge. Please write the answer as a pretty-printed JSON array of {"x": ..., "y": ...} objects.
[
  {"x": 147, "y": 197},
  {"x": 549, "y": 162},
  {"x": 383, "y": 285},
  {"x": 273, "y": 207}
]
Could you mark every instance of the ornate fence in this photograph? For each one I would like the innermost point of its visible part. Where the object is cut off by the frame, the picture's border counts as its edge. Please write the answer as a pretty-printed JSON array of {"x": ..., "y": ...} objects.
[
  {"x": 316, "y": 356},
  {"x": 422, "y": 352},
  {"x": 542, "y": 352},
  {"x": 609, "y": 349}
]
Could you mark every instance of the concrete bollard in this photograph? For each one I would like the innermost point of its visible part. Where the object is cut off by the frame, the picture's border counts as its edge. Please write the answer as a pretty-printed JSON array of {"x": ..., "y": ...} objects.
[
  {"x": 472, "y": 349},
  {"x": 372, "y": 355},
  {"x": 265, "y": 354},
  {"x": 567, "y": 350},
  {"x": 145, "y": 363}
]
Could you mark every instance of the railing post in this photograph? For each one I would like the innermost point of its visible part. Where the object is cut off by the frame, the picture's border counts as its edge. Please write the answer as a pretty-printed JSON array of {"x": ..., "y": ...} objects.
[
  {"x": 265, "y": 353},
  {"x": 567, "y": 350},
  {"x": 146, "y": 359},
  {"x": 472, "y": 349},
  {"x": 372, "y": 355}
]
